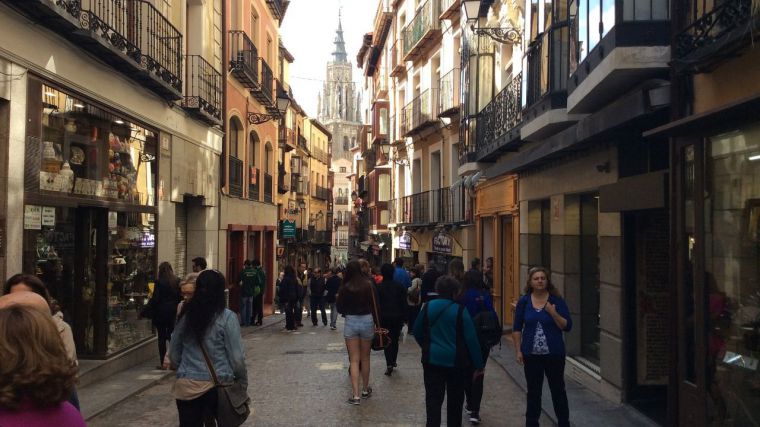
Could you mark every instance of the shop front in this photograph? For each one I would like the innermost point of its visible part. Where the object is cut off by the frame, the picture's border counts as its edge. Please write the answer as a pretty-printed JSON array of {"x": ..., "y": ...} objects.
[{"x": 90, "y": 218}]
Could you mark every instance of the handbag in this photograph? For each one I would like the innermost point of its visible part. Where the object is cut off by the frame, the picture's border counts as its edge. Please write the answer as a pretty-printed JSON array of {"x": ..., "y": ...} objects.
[
  {"x": 382, "y": 337},
  {"x": 233, "y": 403}
]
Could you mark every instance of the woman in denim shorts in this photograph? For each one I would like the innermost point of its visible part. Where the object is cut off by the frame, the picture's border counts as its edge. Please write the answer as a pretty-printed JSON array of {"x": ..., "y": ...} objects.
[{"x": 354, "y": 300}]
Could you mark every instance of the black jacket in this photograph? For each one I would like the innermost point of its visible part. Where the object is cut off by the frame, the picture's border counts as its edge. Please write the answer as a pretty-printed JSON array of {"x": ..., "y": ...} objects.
[
  {"x": 332, "y": 285},
  {"x": 428, "y": 283},
  {"x": 289, "y": 289},
  {"x": 391, "y": 298},
  {"x": 473, "y": 279},
  {"x": 165, "y": 299}
]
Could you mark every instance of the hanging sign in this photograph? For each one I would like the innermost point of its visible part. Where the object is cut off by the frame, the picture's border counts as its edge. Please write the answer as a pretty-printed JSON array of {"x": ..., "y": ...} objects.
[
  {"x": 405, "y": 241},
  {"x": 32, "y": 217},
  {"x": 288, "y": 229},
  {"x": 48, "y": 216},
  {"x": 442, "y": 243},
  {"x": 280, "y": 251}
]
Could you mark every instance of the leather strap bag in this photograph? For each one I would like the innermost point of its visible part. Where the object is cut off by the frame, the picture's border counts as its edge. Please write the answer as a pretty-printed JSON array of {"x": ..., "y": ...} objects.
[
  {"x": 233, "y": 403},
  {"x": 382, "y": 337}
]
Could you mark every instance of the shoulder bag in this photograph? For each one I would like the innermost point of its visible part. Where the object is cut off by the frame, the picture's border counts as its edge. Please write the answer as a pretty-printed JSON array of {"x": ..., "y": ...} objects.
[
  {"x": 382, "y": 337},
  {"x": 233, "y": 403}
]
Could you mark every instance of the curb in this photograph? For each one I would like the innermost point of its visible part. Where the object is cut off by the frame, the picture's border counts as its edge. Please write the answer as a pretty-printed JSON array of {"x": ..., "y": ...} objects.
[{"x": 144, "y": 387}]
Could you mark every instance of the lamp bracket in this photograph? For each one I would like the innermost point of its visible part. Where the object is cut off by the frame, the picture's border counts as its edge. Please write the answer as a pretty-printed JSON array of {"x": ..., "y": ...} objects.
[
  {"x": 258, "y": 118},
  {"x": 507, "y": 35}
]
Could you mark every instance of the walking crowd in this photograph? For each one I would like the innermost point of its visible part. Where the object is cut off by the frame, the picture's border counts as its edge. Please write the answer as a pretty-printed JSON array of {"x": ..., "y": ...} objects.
[{"x": 451, "y": 318}]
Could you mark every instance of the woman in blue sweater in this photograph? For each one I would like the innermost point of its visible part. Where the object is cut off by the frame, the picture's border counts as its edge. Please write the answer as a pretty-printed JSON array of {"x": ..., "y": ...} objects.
[
  {"x": 449, "y": 344},
  {"x": 540, "y": 318}
]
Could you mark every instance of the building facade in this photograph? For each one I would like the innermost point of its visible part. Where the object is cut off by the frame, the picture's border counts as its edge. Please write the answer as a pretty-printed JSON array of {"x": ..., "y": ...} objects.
[{"x": 110, "y": 154}]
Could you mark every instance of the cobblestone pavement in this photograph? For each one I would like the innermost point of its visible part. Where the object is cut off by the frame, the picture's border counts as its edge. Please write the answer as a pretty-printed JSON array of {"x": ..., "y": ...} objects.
[{"x": 300, "y": 379}]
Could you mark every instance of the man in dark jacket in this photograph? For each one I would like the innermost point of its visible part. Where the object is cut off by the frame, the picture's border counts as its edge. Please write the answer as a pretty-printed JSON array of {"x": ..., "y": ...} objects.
[
  {"x": 332, "y": 286},
  {"x": 317, "y": 289},
  {"x": 289, "y": 292},
  {"x": 473, "y": 279},
  {"x": 391, "y": 298},
  {"x": 428, "y": 283}
]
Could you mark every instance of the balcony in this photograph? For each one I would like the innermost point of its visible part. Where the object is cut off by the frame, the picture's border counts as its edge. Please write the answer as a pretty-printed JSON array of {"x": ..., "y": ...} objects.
[
  {"x": 203, "y": 90},
  {"x": 322, "y": 192},
  {"x": 236, "y": 177},
  {"x": 132, "y": 37},
  {"x": 277, "y": 8},
  {"x": 449, "y": 95},
  {"x": 617, "y": 52},
  {"x": 268, "y": 188},
  {"x": 449, "y": 9},
  {"x": 718, "y": 33},
  {"x": 244, "y": 59},
  {"x": 422, "y": 32},
  {"x": 264, "y": 93},
  {"x": 380, "y": 85},
  {"x": 496, "y": 129},
  {"x": 300, "y": 185},
  {"x": 383, "y": 20},
  {"x": 283, "y": 180},
  {"x": 341, "y": 200},
  {"x": 398, "y": 66},
  {"x": 287, "y": 139},
  {"x": 302, "y": 142},
  {"x": 320, "y": 155},
  {"x": 421, "y": 113},
  {"x": 449, "y": 205},
  {"x": 254, "y": 183}
]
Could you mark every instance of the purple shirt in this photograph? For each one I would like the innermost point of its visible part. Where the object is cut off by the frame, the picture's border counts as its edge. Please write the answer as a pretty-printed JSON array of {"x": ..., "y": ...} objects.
[{"x": 61, "y": 415}]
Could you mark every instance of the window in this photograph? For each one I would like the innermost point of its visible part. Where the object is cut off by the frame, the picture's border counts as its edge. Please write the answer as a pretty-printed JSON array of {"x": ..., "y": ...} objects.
[
  {"x": 268, "y": 159},
  {"x": 345, "y": 144},
  {"x": 234, "y": 136},
  {"x": 254, "y": 26},
  {"x": 342, "y": 169}
]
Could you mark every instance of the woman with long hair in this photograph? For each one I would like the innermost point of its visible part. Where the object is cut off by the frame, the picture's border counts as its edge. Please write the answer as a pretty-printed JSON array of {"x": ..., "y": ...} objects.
[
  {"x": 163, "y": 304},
  {"x": 205, "y": 325},
  {"x": 36, "y": 375},
  {"x": 456, "y": 270},
  {"x": 446, "y": 334},
  {"x": 391, "y": 299},
  {"x": 541, "y": 316},
  {"x": 354, "y": 300},
  {"x": 289, "y": 293}
]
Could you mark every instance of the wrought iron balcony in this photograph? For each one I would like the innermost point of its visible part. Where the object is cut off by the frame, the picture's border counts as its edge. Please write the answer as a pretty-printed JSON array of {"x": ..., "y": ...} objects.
[
  {"x": 424, "y": 28},
  {"x": 449, "y": 205},
  {"x": 131, "y": 36},
  {"x": 268, "y": 188},
  {"x": 283, "y": 180},
  {"x": 254, "y": 183},
  {"x": 236, "y": 177},
  {"x": 300, "y": 185},
  {"x": 548, "y": 63},
  {"x": 498, "y": 118},
  {"x": 455, "y": 205},
  {"x": 718, "y": 33},
  {"x": 244, "y": 59},
  {"x": 322, "y": 192},
  {"x": 264, "y": 93},
  {"x": 422, "y": 111},
  {"x": 203, "y": 90},
  {"x": 287, "y": 138},
  {"x": 449, "y": 99}
]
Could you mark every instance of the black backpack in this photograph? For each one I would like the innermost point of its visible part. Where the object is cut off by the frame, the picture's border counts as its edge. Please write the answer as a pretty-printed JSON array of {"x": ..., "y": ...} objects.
[{"x": 488, "y": 327}]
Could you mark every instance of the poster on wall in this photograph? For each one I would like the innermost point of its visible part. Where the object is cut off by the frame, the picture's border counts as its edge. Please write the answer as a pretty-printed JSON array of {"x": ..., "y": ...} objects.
[
  {"x": 442, "y": 243},
  {"x": 32, "y": 217},
  {"x": 405, "y": 241},
  {"x": 48, "y": 216}
]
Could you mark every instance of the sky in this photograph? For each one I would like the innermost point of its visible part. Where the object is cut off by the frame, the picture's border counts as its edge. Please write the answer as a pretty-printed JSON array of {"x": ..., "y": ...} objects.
[{"x": 308, "y": 32}]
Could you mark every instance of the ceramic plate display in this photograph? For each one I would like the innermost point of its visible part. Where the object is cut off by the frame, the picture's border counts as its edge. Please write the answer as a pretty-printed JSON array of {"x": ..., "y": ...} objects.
[{"x": 77, "y": 156}]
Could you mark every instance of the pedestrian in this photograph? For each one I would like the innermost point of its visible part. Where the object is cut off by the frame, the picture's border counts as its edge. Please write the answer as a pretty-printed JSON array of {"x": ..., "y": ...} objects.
[
  {"x": 317, "y": 298},
  {"x": 163, "y": 307},
  {"x": 456, "y": 270},
  {"x": 37, "y": 376},
  {"x": 303, "y": 296},
  {"x": 260, "y": 283},
  {"x": 247, "y": 282},
  {"x": 289, "y": 292},
  {"x": 207, "y": 334},
  {"x": 428, "y": 283},
  {"x": 354, "y": 300},
  {"x": 199, "y": 264},
  {"x": 476, "y": 298},
  {"x": 366, "y": 269},
  {"x": 541, "y": 316},
  {"x": 474, "y": 277},
  {"x": 332, "y": 285},
  {"x": 24, "y": 283},
  {"x": 391, "y": 297},
  {"x": 400, "y": 275},
  {"x": 488, "y": 274},
  {"x": 446, "y": 334},
  {"x": 414, "y": 296},
  {"x": 186, "y": 291},
  {"x": 278, "y": 302}
]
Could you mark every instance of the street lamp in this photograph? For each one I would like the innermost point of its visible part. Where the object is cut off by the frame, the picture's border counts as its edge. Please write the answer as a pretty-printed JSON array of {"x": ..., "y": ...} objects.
[
  {"x": 302, "y": 208},
  {"x": 283, "y": 101},
  {"x": 506, "y": 35}
]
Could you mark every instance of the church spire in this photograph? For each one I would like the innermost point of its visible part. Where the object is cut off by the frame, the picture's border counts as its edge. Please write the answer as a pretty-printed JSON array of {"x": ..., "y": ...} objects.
[{"x": 339, "y": 55}]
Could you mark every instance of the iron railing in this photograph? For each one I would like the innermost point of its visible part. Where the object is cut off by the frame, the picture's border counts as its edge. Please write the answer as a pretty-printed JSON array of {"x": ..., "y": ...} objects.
[
  {"x": 267, "y": 81},
  {"x": 422, "y": 110},
  {"x": 713, "y": 25},
  {"x": 254, "y": 183},
  {"x": 341, "y": 200},
  {"x": 283, "y": 179},
  {"x": 425, "y": 21},
  {"x": 321, "y": 192},
  {"x": 268, "y": 188},
  {"x": 449, "y": 205},
  {"x": 203, "y": 89},
  {"x": 236, "y": 177},
  {"x": 548, "y": 64},
  {"x": 449, "y": 87},
  {"x": 501, "y": 115},
  {"x": 244, "y": 63}
]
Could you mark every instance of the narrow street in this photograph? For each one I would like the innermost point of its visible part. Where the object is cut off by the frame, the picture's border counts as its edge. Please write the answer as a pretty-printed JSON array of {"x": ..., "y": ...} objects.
[{"x": 300, "y": 379}]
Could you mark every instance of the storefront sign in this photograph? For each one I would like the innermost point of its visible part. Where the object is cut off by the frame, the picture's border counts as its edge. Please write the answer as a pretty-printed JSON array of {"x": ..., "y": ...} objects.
[
  {"x": 32, "y": 217},
  {"x": 280, "y": 251},
  {"x": 406, "y": 253},
  {"x": 405, "y": 241},
  {"x": 288, "y": 229},
  {"x": 442, "y": 243},
  {"x": 48, "y": 216}
]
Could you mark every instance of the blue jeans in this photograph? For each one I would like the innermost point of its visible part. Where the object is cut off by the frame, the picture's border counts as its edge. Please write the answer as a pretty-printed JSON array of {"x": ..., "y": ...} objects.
[
  {"x": 246, "y": 308},
  {"x": 333, "y": 313}
]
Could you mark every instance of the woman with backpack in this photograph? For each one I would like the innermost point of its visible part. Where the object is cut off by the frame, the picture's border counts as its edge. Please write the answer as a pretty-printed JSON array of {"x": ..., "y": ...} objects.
[
  {"x": 290, "y": 291},
  {"x": 445, "y": 332},
  {"x": 477, "y": 299},
  {"x": 541, "y": 316},
  {"x": 206, "y": 347}
]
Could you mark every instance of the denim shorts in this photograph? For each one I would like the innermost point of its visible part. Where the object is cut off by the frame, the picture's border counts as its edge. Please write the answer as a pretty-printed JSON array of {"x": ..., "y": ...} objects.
[{"x": 361, "y": 326}]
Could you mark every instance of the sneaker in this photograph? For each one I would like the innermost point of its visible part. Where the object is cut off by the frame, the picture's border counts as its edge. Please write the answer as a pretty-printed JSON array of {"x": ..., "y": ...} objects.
[
  {"x": 333, "y": 328},
  {"x": 389, "y": 371},
  {"x": 475, "y": 418},
  {"x": 367, "y": 392},
  {"x": 354, "y": 401}
]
